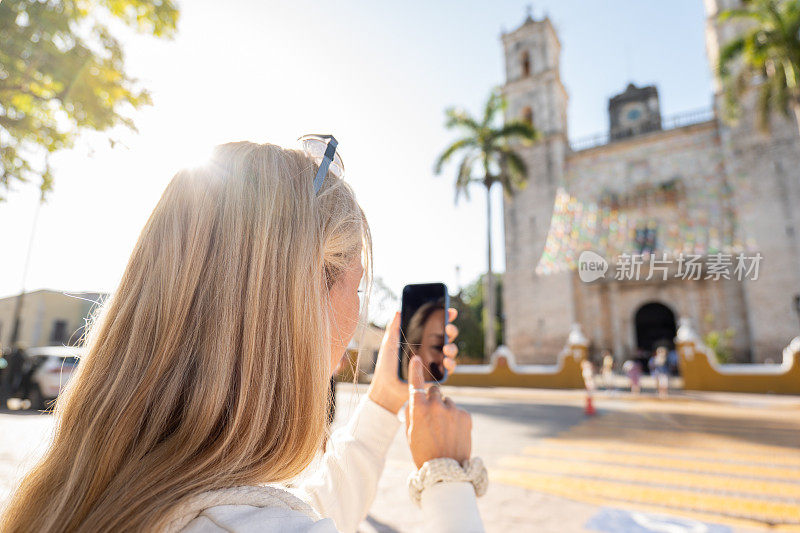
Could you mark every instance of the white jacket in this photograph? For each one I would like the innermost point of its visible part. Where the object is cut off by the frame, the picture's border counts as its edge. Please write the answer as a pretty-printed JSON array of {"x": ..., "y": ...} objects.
[{"x": 336, "y": 497}]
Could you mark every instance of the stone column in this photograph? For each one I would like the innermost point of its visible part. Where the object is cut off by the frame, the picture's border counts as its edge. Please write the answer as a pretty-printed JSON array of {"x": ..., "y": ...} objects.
[
  {"x": 616, "y": 334},
  {"x": 694, "y": 304}
]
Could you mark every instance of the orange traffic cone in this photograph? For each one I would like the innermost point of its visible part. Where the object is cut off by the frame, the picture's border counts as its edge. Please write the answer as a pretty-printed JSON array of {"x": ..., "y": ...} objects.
[{"x": 589, "y": 411}]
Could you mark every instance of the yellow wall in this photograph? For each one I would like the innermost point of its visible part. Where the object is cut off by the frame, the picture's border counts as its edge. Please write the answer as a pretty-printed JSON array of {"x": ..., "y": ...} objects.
[
  {"x": 701, "y": 372},
  {"x": 503, "y": 372}
]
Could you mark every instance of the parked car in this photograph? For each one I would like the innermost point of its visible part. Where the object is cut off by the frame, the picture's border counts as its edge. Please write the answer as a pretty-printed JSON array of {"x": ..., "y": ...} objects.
[{"x": 48, "y": 370}]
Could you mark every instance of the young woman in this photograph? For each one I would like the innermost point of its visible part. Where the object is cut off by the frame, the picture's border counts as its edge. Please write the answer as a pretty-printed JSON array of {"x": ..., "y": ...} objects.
[{"x": 207, "y": 373}]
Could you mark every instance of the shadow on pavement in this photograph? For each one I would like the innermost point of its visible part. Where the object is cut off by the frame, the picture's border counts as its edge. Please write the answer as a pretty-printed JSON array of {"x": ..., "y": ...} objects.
[
  {"x": 671, "y": 428},
  {"x": 540, "y": 421}
]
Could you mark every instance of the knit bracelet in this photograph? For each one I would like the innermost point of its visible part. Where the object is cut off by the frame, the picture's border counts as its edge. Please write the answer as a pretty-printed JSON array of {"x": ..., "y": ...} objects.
[{"x": 446, "y": 469}]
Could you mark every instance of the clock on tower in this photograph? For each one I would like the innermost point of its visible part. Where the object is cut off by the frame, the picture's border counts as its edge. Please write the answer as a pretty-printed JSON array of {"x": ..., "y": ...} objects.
[{"x": 634, "y": 112}]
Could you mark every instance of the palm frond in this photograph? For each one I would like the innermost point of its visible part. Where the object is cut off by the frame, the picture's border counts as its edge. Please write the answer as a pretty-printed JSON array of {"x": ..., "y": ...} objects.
[
  {"x": 514, "y": 172},
  {"x": 457, "y": 146},
  {"x": 765, "y": 57},
  {"x": 791, "y": 75},
  {"x": 464, "y": 176},
  {"x": 732, "y": 14},
  {"x": 518, "y": 129},
  {"x": 780, "y": 91},
  {"x": 458, "y": 118},
  {"x": 494, "y": 104},
  {"x": 518, "y": 170},
  {"x": 729, "y": 53},
  {"x": 763, "y": 107}
]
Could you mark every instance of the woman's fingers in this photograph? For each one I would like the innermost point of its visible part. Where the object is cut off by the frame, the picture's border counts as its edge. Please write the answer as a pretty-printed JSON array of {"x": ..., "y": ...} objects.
[
  {"x": 386, "y": 388},
  {"x": 389, "y": 343},
  {"x": 434, "y": 393},
  {"x": 392, "y": 335},
  {"x": 451, "y": 330},
  {"x": 452, "y": 314},
  {"x": 450, "y": 350},
  {"x": 416, "y": 379}
]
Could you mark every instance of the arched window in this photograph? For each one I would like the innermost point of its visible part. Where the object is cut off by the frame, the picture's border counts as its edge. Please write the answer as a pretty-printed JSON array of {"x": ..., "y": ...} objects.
[
  {"x": 527, "y": 115},
  {"x": 526, "y": 64}
]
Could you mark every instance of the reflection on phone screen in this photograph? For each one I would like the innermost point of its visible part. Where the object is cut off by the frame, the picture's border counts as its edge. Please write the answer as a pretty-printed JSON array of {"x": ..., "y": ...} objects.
[{"x": 422, "y": 321}]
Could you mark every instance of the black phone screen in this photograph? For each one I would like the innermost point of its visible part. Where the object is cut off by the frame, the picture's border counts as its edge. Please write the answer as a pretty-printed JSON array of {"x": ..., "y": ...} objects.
[{"x": 423, "y": 317}]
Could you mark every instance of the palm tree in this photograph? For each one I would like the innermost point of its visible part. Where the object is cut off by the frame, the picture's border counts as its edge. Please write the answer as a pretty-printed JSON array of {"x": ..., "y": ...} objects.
[
  {"x": 487, "y": 144},
  {"x": 768, "y": 52}
]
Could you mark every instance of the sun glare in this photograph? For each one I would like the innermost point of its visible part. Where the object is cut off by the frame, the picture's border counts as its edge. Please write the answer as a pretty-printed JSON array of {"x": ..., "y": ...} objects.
[{"x": 194, "y": 155}]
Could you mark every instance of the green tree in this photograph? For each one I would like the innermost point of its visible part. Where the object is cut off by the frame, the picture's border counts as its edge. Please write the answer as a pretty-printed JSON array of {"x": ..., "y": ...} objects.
[
  {"x": 766, "y": 54},
  {"x": 62, "y": 71},
  {"x": 470, "y": 305},
  {"x": 488, "y": 144},
  {"x": 720, "y": 341}
]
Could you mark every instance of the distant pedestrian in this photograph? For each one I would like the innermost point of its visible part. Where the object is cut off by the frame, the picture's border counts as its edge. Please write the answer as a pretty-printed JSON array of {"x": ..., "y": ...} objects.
[
  {"x": 672, "y": 361},
  {"x": 659, "y": 368},
  {"x": 608, "y": 370},
  {"x": 3, "y": 375},
  {"x": 15, "y": 374},
  {"x": 634, "y": 372},
  {"x": 587, "y": 370}
]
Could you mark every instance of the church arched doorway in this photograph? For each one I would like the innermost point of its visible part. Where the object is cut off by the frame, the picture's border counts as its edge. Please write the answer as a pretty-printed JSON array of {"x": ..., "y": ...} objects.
[{"x": 655, "y": 326}]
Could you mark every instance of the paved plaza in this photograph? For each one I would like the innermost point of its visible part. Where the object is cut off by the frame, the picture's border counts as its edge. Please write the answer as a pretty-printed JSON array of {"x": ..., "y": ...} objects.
[{"x": 695, "y": 462}]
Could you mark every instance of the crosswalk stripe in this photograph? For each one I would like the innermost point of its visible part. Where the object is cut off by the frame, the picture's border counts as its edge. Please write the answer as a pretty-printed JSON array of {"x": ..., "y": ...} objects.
[
  {"x": 695, "y": 420},
  {"x": 768, "y": 459},
  {"x": 675, "y": 439},
  {"x": 666, "y": 424},
  {"x": 689, "y": 480},
  {"x": 692, "y": 439},
  {"x": 689, "y": 465},
  {"x": 733, "y": 506}
]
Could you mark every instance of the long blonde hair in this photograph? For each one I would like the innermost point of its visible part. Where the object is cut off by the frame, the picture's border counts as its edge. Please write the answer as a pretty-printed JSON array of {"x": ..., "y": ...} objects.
[{"x": 209, "y": 366}]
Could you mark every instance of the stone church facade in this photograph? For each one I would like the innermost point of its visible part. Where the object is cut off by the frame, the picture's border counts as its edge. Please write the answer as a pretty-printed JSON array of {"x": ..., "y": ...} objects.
[{"x": 658, "y": 188}]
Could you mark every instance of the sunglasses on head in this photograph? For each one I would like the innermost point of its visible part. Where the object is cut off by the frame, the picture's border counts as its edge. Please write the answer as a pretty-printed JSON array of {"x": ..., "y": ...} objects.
[{"x": 322, "y": 149}]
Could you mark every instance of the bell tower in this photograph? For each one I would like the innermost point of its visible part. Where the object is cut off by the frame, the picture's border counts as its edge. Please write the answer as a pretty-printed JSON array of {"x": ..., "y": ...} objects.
[
  {"x": 534, "y": 92},
  {"x": 533, "y": 87}
]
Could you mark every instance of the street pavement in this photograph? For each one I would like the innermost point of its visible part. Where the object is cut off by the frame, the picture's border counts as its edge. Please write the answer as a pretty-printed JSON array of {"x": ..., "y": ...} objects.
[
  {"x": 694, "y": 462},
  {"x": 699, "y": 462}
]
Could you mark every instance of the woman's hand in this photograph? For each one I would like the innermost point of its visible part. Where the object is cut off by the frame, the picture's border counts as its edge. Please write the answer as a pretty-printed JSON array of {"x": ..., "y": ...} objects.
[
  {"x": 435, "y": 427},
  {"x": 386, "y": 388}
]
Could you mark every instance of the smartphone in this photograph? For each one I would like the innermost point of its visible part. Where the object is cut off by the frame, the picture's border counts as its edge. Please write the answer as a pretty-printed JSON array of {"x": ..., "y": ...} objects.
[{"x": 423, "y": 316}]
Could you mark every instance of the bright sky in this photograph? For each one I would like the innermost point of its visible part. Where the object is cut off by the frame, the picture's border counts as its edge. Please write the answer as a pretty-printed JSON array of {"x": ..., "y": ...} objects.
[{"x": 378, "y": 75}]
